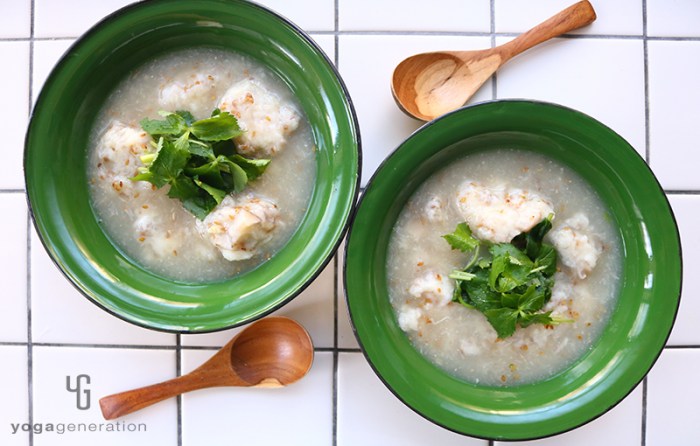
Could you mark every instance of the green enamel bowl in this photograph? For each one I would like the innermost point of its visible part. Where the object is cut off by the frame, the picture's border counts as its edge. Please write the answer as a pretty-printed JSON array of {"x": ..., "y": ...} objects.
[
  {"x": 57, "y": 143},
  {"x": 639, "y": 325}
]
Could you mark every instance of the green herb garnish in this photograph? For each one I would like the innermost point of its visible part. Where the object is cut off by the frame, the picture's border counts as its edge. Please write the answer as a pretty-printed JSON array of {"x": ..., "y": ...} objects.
[
  {"x": 514, "y": 285},
  {"x": 197, "y": 159}
]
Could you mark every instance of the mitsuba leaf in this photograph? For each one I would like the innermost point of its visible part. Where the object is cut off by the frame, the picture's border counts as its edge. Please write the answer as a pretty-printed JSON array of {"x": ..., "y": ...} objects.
[
  {"x": 516, "y": 255},
  {"x": 204, "y": 151},
  {"x": 512, "y": 287},
  {"x": 187, "y": 116},
  {"x": 210, "y": 174},
  {"x": 201, "y": 205},
  {"x": 252, "y": 167},
  {"x": 547, "y": 257},
  {"x": 536, "y": 318},
  {"x": 219, "y": 127},
  {"x": 158, "y": 128},
  {"x": 462, "y": 238},
  {"x": 226, "y": 148},
  {"x": 531, "y": 300},
  {"x": 503, "y": 320},
  {"x": 217, "y": 194},
  {"x": 513, "y": 276},
  {"x": 167, "y": 164},
  {"x": 183, "y": 188},
  {"x": 479, "y": 293}
]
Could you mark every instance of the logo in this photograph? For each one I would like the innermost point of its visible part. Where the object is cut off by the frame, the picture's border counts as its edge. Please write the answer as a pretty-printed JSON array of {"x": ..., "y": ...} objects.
[{"x": 77, "y": 390}]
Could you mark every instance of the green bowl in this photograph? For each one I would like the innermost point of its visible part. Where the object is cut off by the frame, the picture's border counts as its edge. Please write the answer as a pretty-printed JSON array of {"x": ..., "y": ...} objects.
[
  {"x": 639, "y": 326},
  {"x": 57, "y": 141}
]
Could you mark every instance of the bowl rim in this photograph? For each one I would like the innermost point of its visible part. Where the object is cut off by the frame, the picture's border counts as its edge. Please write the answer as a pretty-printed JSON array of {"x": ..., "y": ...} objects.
[
  {"x": 369, "y": 186},
  {"x": 341, "y": 235}
]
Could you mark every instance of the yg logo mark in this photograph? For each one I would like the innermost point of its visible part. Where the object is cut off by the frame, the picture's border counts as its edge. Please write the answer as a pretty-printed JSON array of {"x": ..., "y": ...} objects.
[{"x": 77, "y": 391}]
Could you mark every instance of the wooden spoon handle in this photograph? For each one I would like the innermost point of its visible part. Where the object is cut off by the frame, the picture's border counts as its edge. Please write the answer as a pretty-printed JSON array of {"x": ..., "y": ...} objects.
[
  {"x": 575, "y": 16},
  {"x": 120, "y": 404}
]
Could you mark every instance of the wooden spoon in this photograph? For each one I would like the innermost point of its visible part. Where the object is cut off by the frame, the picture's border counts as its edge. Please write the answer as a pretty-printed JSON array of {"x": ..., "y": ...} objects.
[
  {"x": 428, "y": 85},
  {"x": 272, "y": 352}
]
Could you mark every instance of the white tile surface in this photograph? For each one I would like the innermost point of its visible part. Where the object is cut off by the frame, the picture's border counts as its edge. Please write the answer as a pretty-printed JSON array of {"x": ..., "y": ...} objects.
[
  {"x": 673, "y": 18},
  {"x": 300, "y": 414},
  {"x": 620, "y": 17},
  {"x": 673, "y": 113},
  {"x": 368, "y": 413},
  {"x": 687, "y": 211},
  {"x": 309, "y": 15},
  {"x": 602, "y": 78},
  {"x": 13, "y": 268},
  {"x": 366, "y": 64},
  {"x": 327, "y": 44},
  {"x": 14, "y": 91},
  {"x": 14, "y": 409},
  {"x": 110, "y": 371},
  {"x": 412, "y": 15},
  {"x": 46, "y": 55},
  {"x": 15, "y": 20},
  {"x": 61, "y": 314},
  {"x": 70, "y": 18},
  {"x": 621, "y": 426},
  {"x": 672, "y": 399},
  {"x": 313, "y": 309}
]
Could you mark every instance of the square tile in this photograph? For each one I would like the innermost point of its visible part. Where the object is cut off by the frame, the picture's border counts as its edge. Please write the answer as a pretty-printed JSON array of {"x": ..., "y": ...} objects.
[
  {"x": 309, "y": 15},
  {"x": 313, "y": 309},
  {"x": 368, "y": 413},
  {"x": 382, "y": 125},
  {"x": 673, "y": 113},
  {"x": 61, "y": 314},
  {"x": 672, "y": 399},
  {"x": 71, "y": 18},
  {"x": 413, "y": 15},
  {"x": 602, "y": 78},
  {"x": 621, "y": 426},
  {"x": 15, "y": 20},
  {"x": 14, "y": 90},
  {"x": 108, "y": 371},
  {"x": 686, "y": 208},
  {"x": 673, "y": 18},
  {"x": 46, "y": 56},
  {"x": 302, "y": 413},
  {"x": 327, "y": 44},
  {"x": 619, "y": 17},
  {"x": 14, "y": 411},
  {"x": 13, "y": 268}
]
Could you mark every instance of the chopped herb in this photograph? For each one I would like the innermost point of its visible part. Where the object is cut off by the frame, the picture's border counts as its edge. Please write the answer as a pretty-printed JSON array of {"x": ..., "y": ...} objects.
[
  {"x": 197, "y": 159},
  {"x": 514, "y": 285}
]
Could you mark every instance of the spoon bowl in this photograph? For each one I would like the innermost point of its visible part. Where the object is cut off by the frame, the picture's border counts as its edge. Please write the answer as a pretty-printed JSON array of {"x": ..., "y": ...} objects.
[
  {"x": 289, "y": 358},
  {"x": 428, "y": 85},
  {"x": 272, "y": 352}
]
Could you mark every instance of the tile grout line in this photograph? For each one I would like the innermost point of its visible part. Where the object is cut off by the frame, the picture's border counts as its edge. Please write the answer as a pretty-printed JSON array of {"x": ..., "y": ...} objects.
[
  {"x": 335, "y": 352},
  {"x": 334, "y": 389},
  {"x": 427, "y": 33},
  {"x": 647, "y": 129},
  {"x": 682, "y": 192},
  {"x": 494, "y": 76},
  {"x": 30, "y": 349},
  {"x": 171, "y": 347},
  {"x": 644, "y": 411},
  {"x": 11, "y": 191},
  {"x": 178, "y": 372}
]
